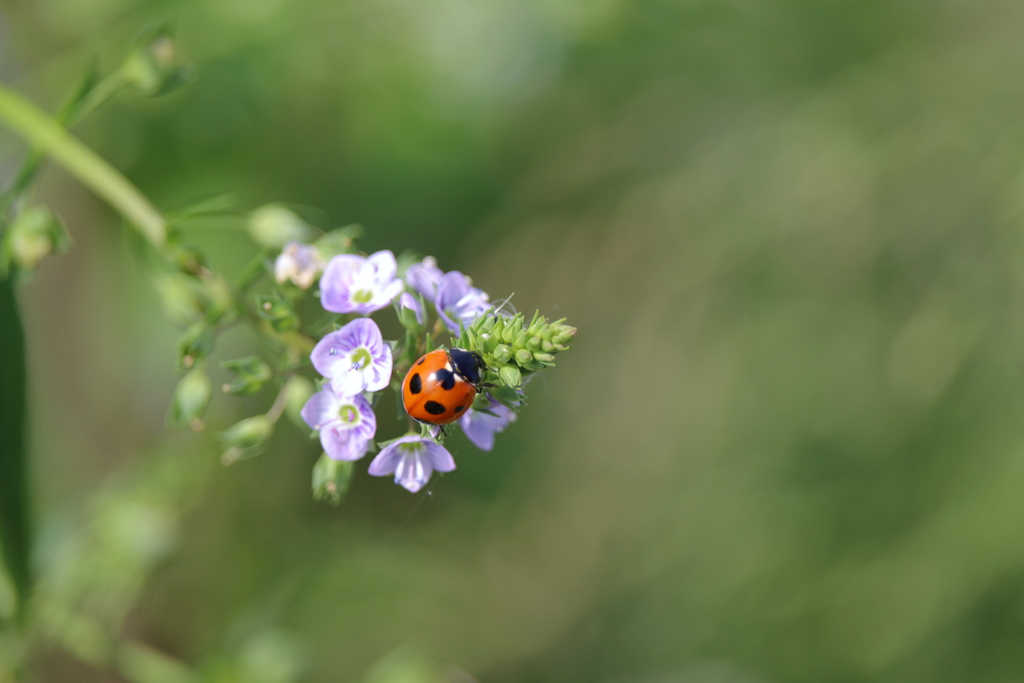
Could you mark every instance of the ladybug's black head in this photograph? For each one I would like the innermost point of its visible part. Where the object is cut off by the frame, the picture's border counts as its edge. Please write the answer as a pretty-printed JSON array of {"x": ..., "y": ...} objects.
[{"x": 468, "y": 364}]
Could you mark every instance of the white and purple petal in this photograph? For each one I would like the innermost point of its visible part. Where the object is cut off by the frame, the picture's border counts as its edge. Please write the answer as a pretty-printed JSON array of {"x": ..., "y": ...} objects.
[
  {"x": 353, "y": 284},
  {"x": 424, "y": 277},
  {"x": 412, "y": 460},
  {"x": 480, "y": 428},
  {"x": 458, "y": 300},
  {"x": 298, "y": 262},
  {"x": 355, "y": 358},
  {"x": 347, "y": 424}
]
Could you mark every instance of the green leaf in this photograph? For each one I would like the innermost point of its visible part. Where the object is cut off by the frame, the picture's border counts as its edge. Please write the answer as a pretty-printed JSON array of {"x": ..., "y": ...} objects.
[{"x": 15, "y": 536}]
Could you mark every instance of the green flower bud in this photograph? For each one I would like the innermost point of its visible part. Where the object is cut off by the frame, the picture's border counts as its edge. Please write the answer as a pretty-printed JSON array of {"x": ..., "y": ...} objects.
[
  {"x": 508, "y": 335},
  {"x": 155, "y": 67},
  {"x": 411, "y": 312},
  {"x": 277, "y": 312},
  {"x": 178, "y": 297},
  {"x": 339, "y": 241},
  {"x": 502, "y": 353},
  {"x": 523, "y": 356},
  {"x": 521, "y": 339},
  {"x": 252, "y": 373},
  {"x": 34, "y": 234},
  {"x": 488, "y": 342},
  {"x": 274, "y": 226},
  {"x": 190, "y": 400},
  {"x": 533, "y": 343},
  {"x": 511, "y": 376},
  {"x": 546, "y": 346},
  {"x": 331, "y": 479},
  {"x": 194, "y": 345},
  {"x": 489, "y": 323},
  {"x": 543, "y": 357},
  {"x": 564, "y": 336},
  {"x": 245, "y": 439},
  {"x": 297, "y": 391}
]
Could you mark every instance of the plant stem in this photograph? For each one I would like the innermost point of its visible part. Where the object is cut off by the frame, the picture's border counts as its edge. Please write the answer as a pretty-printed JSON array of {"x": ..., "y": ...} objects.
[{"x": 92, "y": 170}]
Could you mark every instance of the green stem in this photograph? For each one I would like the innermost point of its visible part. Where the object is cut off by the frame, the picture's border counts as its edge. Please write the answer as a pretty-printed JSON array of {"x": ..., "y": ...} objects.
[
  {"x": 92, "y": 170},
  {"x": 68, "y": 115}
]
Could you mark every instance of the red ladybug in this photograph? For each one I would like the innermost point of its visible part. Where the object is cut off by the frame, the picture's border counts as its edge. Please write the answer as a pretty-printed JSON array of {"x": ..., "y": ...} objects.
[{"x": 441, "y": 385}]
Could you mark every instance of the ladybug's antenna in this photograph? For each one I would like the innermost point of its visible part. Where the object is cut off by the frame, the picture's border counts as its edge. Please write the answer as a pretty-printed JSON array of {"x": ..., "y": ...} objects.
[{"x": 504, "y": 303}]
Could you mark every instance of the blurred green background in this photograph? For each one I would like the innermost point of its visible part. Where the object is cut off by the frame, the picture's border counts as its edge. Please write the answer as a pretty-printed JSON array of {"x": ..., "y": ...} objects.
[{"x": 788, "y": 445}]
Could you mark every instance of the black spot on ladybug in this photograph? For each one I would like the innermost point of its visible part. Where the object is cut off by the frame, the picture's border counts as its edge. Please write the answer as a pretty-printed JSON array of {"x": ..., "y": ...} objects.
[
  {"x": 415, "y": 384},
  {"x": 420, "y": 361},
  {"x": 446, "y": 378},
  {"x": 434, "y": 408},
  {"x": 459, "y": 409}
]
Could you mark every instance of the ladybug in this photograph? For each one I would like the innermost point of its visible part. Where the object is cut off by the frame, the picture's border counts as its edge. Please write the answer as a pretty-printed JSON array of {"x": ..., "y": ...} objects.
[{"x": 441, "y": 385}]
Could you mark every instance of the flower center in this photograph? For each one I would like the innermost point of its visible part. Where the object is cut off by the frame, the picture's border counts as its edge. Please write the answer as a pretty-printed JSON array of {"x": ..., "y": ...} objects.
[
  {"x": 361, "y": 358},
  {"x": 349, "y": 414},
  {"x": 362, "y": 296},
  {"x": 411, "y": 447}
]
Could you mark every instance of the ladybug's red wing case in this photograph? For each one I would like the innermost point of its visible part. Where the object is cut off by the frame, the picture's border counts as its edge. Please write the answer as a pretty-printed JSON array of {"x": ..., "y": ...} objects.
[{"x": 433, "y": 392}]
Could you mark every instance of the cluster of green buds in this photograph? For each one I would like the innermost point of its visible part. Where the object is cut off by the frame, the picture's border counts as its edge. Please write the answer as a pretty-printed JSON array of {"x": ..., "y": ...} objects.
[{"x": 513, "y": 349}]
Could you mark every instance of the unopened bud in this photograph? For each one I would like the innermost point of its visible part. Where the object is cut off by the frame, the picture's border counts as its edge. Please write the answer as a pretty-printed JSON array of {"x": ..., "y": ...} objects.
[
  {"x": 533, "y": 343},
  {"x": 246, "y": 438},
  {"x": 546, "y": 346},
  {"x": 543, "y": 357},
  {"x": 194, "y": 345},
  {"x": 565, "y": 336},
  {"x": 300, "y": 263},
  {"x": 410, "y": 312},
  {"x": 190, "y": 399},
  {"x": 155, "y": 67},
  {"x": 488, "y": 342},
  {"x": 179, "y": 297},
  {"x": 339, "y": 241},
  {"x": 331, "y": 479},
  {"x": 508, "y": 335},
  {"x": 33, "y": 234},
  {"x": 274, "y": 226},
  {"x": 511, "y": 376},
  {"x": 296, "y": 392},
  {"x": 523, "y": 356},
  {"x": 502, "y": 353}
]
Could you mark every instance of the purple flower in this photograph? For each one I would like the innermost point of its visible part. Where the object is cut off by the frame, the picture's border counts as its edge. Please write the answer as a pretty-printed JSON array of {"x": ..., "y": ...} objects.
[
  {"x": 300, "y": 263},
  {"x": 458, "y": 300},
  {"x": 408, "y": 301},
  {"x": 412, "y": 459},
  {"x": 424, "y": 277},
  {"x": 353, "y": 284},
  {"x": 346, "y": 423},
  {"x": 480, "y": 428},
  {"x": 355, "y": 358}
]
